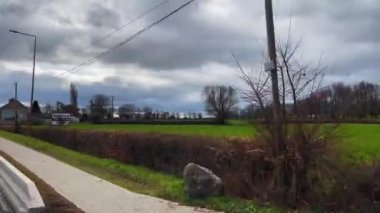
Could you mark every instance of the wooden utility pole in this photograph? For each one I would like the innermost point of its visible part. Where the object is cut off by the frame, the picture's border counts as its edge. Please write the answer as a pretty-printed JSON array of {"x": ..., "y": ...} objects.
[
  {"x": 277, "y": 117},
  {"x": 15, "y": 90},
  {"x": 111, "y": 107}
]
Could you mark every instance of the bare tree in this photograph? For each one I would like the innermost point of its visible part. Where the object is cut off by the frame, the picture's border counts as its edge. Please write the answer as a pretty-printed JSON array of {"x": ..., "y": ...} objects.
[
  {"x": 367, "y": 99},
  {"x": 98, "y": 105},
  {"x": 298, "y": 78},
  {"x": 340, "y": 100},
  {"x": 220, "y": 101},
  {"x": 127, "y": 111},
  {"x": 258, "y": 92}
]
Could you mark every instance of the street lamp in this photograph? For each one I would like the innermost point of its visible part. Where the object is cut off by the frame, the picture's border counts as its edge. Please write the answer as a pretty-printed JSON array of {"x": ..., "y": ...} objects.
[{"x": 34, "y": 61}]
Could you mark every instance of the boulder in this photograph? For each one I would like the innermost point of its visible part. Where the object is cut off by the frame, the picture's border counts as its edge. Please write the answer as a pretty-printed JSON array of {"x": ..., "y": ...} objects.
[{"x": 201, "y": 182}]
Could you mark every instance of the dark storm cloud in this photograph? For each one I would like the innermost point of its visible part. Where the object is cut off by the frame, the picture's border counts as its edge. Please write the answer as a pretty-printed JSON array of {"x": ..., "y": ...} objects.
[
  {"x": 158, "y": 99},
  {"x": 16, "y": 47},
  {"x": 50, "y": 39},
  {"x": 346, "y": 31},
  {"x": 185, "y": 50},
  {"x": 50, "y": 90},
  {"x": 185, "y": 41},
  {"x": 63, "y": 30},
  {"x": 46, "y": 88}
]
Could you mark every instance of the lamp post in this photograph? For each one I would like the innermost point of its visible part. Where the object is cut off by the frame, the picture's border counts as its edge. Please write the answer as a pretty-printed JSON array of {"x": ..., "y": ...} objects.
[{"x": 34, "y": 61}]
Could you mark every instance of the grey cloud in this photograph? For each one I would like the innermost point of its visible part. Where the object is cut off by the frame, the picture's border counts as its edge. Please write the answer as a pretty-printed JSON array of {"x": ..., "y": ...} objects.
[
  {"x": 17, "y": 47},
  {"x": 182, "y": 53},
  {"x": 363, "y": 28},
  {"x": 157, "y": 98},
  {"x": 99, "y": 16},
  {"x": 368, "y": 60},
  {"x": 184, "y": 41},
  {"x": 14, "y": 8},
  {"x": 113, "y": 80},
  {"x": 352, "y": 20},
  {"x": 189, "y": 39},
  {"x": 346, "y": 31}
]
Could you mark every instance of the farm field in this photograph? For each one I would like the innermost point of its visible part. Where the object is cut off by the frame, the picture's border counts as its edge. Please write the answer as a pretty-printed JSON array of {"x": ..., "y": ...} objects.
[
  {"x": 232, "y": 130},
  {"x": 361, "y": 142}
]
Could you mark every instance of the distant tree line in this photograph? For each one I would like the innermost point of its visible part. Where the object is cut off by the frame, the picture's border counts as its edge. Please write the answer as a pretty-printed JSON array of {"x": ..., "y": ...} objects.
[
  {"x": 341, "y": 101},
  {"x": 100, "y": 108},
  {"x": 337, "y": 101}
]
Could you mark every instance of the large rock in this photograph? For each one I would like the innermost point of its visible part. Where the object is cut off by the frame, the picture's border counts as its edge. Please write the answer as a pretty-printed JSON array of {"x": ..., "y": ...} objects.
[{"x": 201, "y": 182}]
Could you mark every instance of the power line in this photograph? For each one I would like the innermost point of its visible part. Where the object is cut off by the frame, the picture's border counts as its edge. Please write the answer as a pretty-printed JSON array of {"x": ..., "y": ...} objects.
[
  {"x": 117, "y": 46},
  {"x": 125, "y": 25},
  {"x": 122, "y": 27}
]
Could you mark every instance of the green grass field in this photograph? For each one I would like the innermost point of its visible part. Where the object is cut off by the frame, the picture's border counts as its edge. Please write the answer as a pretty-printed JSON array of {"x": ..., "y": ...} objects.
[
  {"x": 361, "y": 143},
  {"x": 233, "y": 130}
]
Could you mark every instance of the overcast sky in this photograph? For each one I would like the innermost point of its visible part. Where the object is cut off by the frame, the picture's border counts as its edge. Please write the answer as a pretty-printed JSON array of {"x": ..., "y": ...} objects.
[{"x": 167, "y": 66}]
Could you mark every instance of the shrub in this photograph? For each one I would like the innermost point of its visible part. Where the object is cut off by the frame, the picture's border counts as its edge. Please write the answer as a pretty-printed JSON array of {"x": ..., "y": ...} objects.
[
  {"x": 168, "y": 153},
  {"x": 248, "y": 168}
]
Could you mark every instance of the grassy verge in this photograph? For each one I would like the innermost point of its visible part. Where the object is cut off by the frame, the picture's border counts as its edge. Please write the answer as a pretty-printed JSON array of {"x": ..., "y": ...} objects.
[{"x": 135, "y": 178}]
